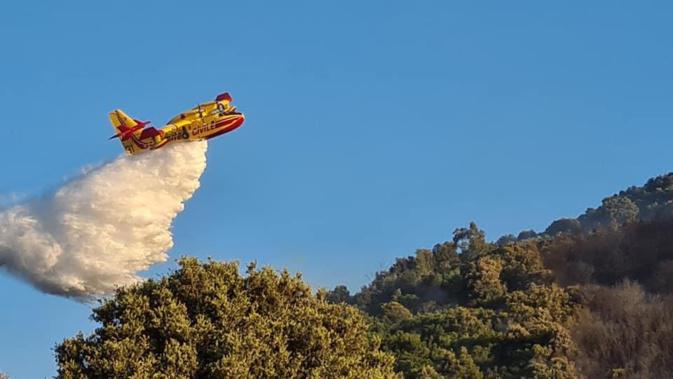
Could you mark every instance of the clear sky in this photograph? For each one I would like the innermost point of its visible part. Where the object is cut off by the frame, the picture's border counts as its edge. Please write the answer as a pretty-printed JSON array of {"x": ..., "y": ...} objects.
[{"x": 373, "y": 127}]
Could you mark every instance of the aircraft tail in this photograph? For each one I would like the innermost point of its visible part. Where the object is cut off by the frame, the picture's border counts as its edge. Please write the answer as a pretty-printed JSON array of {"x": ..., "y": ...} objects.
[{"x": 126, "y": 128}]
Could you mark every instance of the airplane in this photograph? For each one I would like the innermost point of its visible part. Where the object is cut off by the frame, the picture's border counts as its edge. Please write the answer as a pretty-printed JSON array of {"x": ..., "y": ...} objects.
[{"x": 204, "y": 121}]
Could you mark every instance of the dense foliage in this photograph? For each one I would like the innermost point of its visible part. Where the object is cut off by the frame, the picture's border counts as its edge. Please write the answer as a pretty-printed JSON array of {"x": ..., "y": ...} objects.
[
  {"x": 206, "y": 321},
  {"x": 651, "y": 202},
  {"x": 639, "y": 251},
  {"x": 470, "y": 309},
  {"x": 556, "y": 304},
  {"x": 626, "y": 278},
  {"x": 624, "y": 332}
]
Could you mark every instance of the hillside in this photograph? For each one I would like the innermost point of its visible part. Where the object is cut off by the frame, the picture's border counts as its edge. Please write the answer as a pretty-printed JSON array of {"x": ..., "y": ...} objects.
[
  {"x": 651, "y": 202},
  {"x": 588, "y": 297}
]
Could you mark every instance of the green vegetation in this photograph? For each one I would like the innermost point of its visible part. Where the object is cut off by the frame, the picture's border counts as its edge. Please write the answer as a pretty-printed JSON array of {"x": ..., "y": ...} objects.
[
  {"x": 590, "y": 297},
  {"x": 206, "y": 321},
  {"x": 651, "y": 202},
  {"x": 471, "y": 309}
]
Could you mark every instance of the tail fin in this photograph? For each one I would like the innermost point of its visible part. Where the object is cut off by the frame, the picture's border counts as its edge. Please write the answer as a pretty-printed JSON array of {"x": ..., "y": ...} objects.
[
  {"x": 126, "y": 128},
  {"x": 121, "y": 121}
]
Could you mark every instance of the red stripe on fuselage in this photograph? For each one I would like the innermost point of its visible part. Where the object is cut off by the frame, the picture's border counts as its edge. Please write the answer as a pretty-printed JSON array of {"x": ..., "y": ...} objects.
[{"x": 230, "y": 126}]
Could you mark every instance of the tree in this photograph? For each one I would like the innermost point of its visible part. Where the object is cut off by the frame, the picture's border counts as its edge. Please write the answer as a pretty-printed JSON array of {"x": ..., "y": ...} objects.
[
  {"x": 339, "y": 294},
  {"x": 470, "y": 241},
  {"x": 564, "y": 225},
  {"x": 207, "y": 321},
  {"x": 613, "y": 212},
  {"x": 504, "y": 317},
  {"x": 483, "y": 280},
  {"x": 624, "y": 332},
  {"x": 505, "y": 240},
  {"x": 526, "y": 235},
  {"x": 395, "y": 312}
]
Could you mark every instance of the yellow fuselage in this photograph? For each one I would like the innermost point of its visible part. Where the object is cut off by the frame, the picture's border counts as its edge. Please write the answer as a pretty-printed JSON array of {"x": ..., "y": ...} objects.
[{"x": 201, "y": 122}]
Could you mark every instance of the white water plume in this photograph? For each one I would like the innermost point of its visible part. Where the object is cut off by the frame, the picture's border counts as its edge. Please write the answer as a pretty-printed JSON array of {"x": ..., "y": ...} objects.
[{"x": 99, "y": 230}]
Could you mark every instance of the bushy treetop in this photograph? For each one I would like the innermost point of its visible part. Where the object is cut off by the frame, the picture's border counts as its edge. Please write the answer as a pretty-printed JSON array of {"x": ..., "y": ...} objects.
[{"x": 205, "y": 320}]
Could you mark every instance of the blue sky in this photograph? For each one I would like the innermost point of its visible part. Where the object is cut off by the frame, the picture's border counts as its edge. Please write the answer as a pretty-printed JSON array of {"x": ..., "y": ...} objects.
[{"x": 373, "y": 128}]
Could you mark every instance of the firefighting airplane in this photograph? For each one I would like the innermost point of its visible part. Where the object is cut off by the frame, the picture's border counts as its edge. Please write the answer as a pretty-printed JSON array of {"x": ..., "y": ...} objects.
[{"x": 204, "y": 121}]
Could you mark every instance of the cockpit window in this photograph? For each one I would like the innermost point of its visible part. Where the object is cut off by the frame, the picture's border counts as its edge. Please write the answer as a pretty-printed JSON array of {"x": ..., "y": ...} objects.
[{"x": 225, "y": 109}]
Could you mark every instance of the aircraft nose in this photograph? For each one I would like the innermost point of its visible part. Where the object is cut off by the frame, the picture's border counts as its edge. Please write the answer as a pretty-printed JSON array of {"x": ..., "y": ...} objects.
[{"x": 240, "y": 120}]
